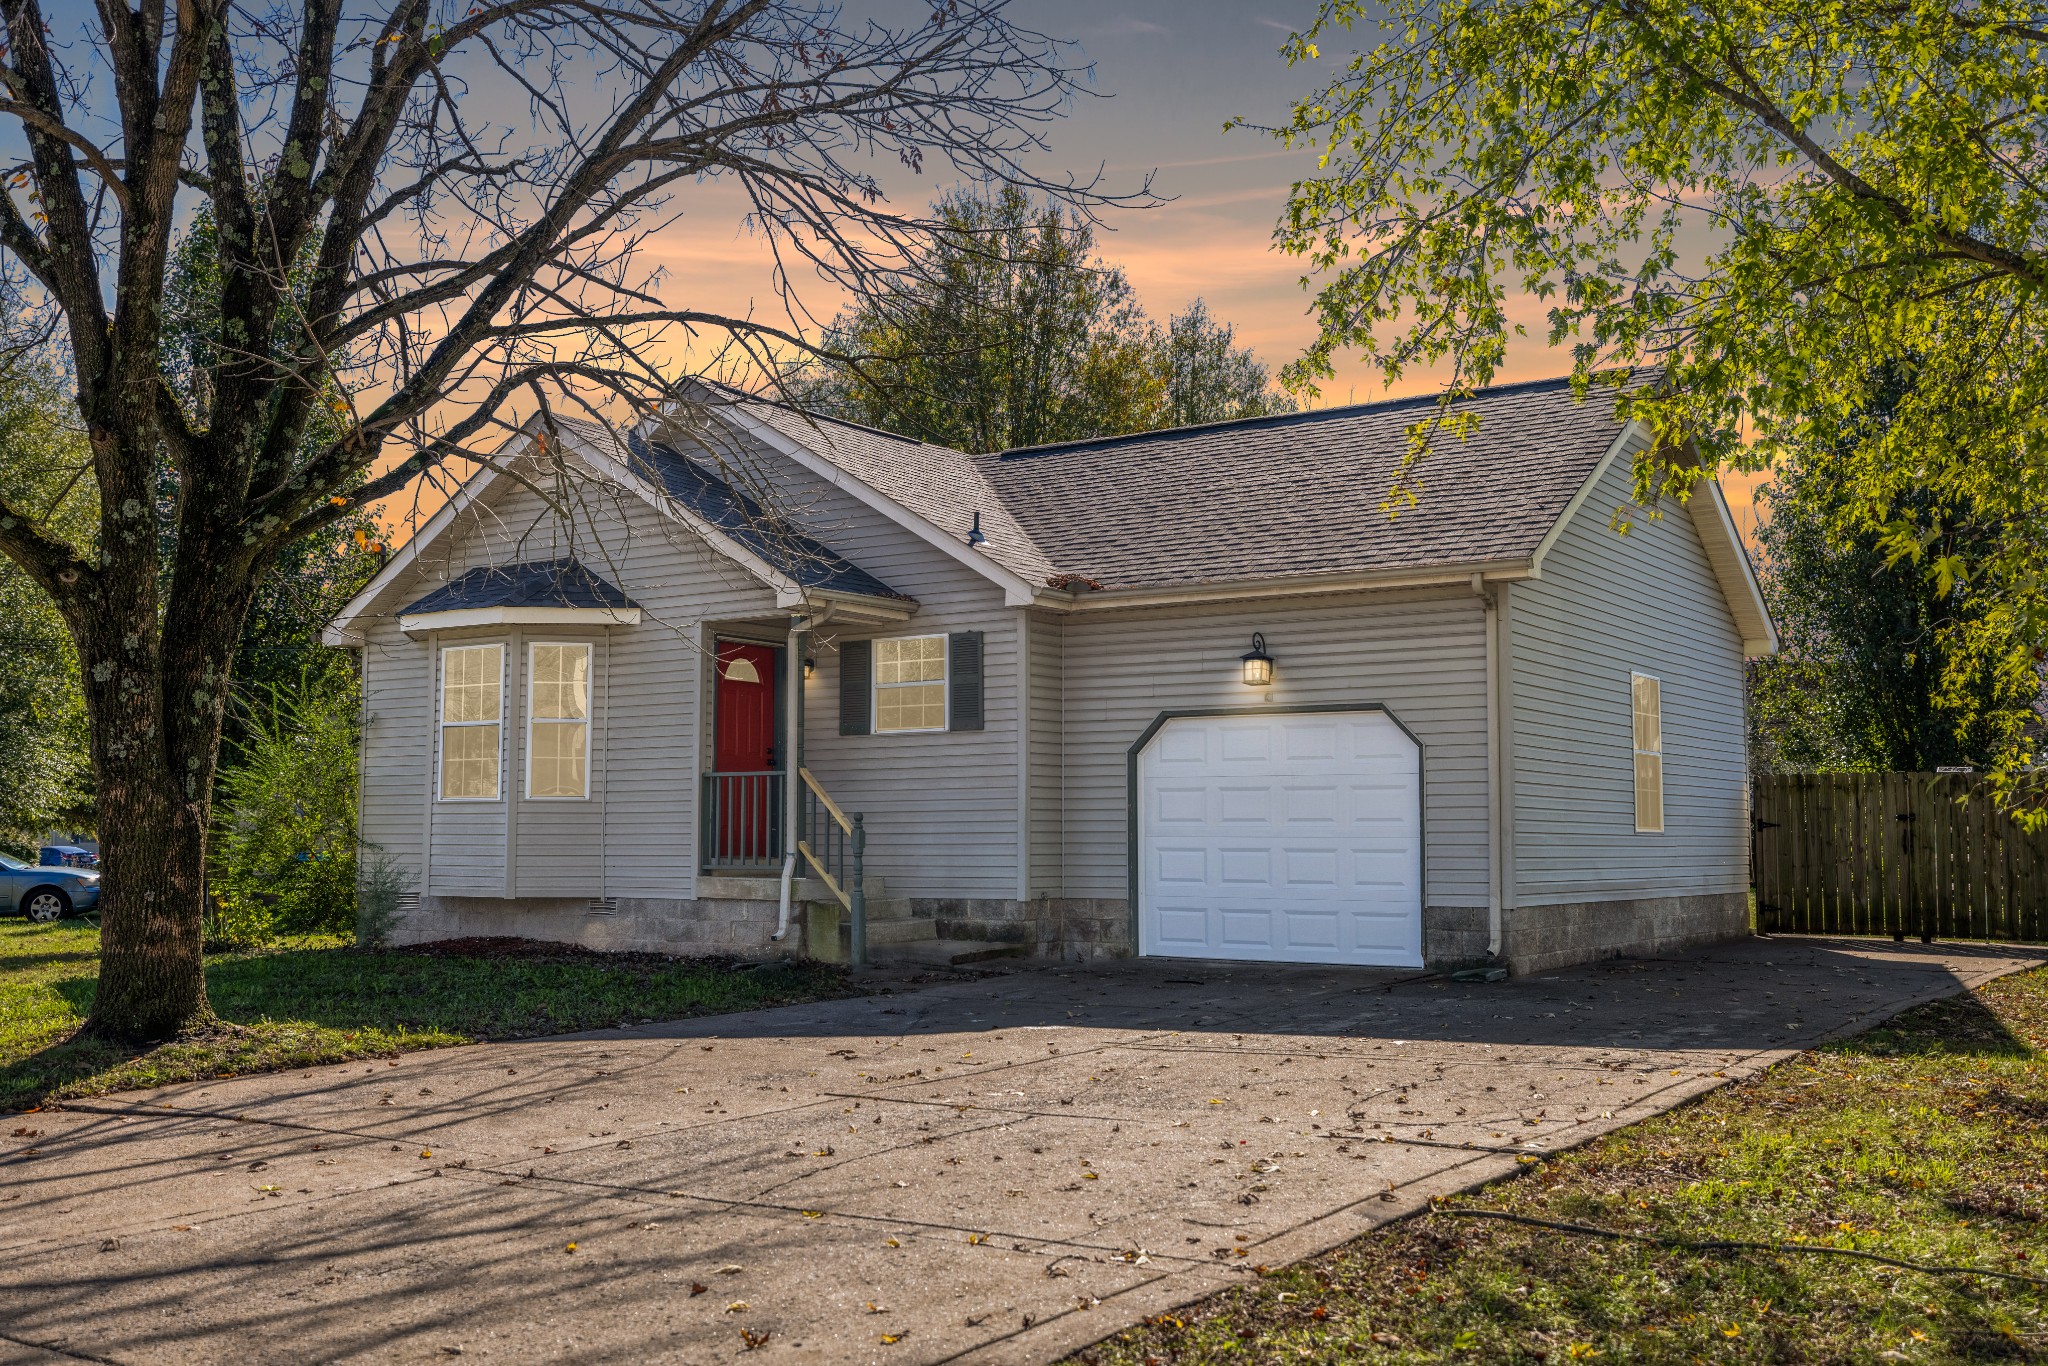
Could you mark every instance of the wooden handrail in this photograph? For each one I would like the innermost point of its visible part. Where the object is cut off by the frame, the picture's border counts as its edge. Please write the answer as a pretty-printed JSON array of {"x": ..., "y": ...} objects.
[
  {"x": 816, "y": 787},
  {"x": 831, "y": 883}
]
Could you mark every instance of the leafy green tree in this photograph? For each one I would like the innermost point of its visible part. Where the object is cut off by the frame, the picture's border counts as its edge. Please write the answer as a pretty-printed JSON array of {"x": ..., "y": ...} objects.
[
  {"x": 1745, "y": 205},
  {"x": 1012, "y": 332},
  {"x": 1882, "y": 667},
  {"x": 45, "y": 772}
]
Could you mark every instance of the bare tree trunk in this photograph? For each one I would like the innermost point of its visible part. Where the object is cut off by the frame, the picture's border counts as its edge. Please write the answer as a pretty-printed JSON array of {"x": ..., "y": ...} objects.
[
  {"x": 156, "y": 695},
  {"x": 151, "y": 894}
]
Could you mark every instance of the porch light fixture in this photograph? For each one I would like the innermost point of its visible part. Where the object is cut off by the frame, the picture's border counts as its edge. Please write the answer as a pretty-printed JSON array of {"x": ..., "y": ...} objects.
[
  {"x": 810, "y": 666},
  {"x": 1258, "y": 665}
]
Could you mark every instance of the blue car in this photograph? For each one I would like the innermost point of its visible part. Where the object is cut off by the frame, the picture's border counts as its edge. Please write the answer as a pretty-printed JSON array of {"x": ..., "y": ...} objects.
[{"x": 46, "y": 894}]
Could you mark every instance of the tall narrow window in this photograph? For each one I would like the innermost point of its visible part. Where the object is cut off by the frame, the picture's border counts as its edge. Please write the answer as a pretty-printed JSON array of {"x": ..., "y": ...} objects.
[
  {"x": 1647, "y": 696},
  {"x": 910, "y": 684},
  {"x": 558, "y": 722},
  {"x": 472, "y": 708}
]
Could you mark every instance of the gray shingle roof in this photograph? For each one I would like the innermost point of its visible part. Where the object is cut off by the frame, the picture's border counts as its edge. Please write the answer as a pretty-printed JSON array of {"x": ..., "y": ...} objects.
[
  {"x": 943, "y": 486},
  {"x": 807, "y": 560},
  {"x": 705, "y": 493},
  {"x": 538, "y": 583},
  {"x": 1303, "y": 493}
]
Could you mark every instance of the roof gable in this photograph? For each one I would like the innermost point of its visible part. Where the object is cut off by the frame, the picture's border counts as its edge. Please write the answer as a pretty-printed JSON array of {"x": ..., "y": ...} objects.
[{"x": 802, "y": 557}]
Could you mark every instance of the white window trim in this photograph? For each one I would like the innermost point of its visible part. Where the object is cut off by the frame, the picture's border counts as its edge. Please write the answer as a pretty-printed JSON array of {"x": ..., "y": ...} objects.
[
  {"x": 1635, "y": 779},
  {"x": 442, "y": 723},
  {"x": 589, "y": 707},
  {"x": 944, "y": 680}
]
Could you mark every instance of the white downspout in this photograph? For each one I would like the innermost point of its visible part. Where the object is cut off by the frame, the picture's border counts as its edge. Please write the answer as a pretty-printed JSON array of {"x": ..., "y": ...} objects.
[
  {"x": 792, "y": 746},
  {"x": 1495, "y": 798}
]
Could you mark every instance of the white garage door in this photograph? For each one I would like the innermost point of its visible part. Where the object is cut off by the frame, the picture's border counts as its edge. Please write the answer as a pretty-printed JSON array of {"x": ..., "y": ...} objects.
[{"x": 1289, "y": 838}]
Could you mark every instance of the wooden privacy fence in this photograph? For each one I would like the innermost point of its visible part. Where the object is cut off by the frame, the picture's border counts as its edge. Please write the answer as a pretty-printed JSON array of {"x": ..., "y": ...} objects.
[{"x": 1926, "y": 854}]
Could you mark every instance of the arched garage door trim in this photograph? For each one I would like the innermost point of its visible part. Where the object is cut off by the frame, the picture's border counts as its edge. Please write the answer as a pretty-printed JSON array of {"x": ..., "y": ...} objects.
[{"x": 1133, "y": 835}]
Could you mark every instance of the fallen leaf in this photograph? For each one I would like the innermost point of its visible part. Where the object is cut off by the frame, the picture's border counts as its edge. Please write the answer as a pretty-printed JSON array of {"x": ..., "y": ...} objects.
[
  {"x": 568, "y": 1247},
  {"x": 890, "y": 1242},
  {"x": 874, "y": 1308},
  {"x": 738, "y": 1307},
  {"x": 752, "y": 1339},
  {"x": 731, "y": 1269},
  {"x": 890, "y": 1339},
  {"x": 813, "y": 1213},
  {"x": 698, "y": 1288}
]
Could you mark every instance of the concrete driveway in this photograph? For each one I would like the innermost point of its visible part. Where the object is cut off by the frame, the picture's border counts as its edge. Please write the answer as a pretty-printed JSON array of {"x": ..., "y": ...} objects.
[{"x": 997, "y": 1169}]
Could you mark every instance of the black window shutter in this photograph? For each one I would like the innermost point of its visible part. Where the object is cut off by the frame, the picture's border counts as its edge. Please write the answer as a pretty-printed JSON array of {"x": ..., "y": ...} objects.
[
  {"x": 856, "y": 675},
  {"x": 963, "y": 683}
]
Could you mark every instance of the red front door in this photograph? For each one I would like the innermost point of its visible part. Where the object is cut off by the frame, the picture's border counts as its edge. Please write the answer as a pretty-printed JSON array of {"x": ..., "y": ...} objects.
[{"x": 747, "y": 828}]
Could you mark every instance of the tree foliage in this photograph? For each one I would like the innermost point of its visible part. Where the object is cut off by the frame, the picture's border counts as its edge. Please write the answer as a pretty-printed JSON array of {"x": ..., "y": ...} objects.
[
  {"x": 1016, "y": 333},
  {"x": 1882, "y": 667},
  {"x": 426, "y": 229},
  {"x": 1750, "y": 204},
  {"x": 283, "y": 858},
  {"x": 45, "y": 773},
  {"x": 280, "y": 653}
]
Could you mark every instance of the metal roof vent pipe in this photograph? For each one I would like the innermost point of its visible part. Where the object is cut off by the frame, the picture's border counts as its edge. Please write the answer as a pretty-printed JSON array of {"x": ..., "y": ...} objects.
[{"x": 974, "y": 536}]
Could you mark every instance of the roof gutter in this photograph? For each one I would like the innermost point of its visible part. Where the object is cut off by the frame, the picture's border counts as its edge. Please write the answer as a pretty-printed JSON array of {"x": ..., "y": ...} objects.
[{"x": 1287, "y": 586}]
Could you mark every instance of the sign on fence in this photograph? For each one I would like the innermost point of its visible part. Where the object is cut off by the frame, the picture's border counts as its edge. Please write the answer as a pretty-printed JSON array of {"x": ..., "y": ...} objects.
[{"x": 1926, "y": 854}]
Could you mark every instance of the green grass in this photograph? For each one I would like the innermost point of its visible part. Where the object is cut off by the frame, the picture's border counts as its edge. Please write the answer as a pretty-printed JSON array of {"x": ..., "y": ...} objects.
[
  {"x": 1925, "y": 1140},
  {"x": 321, "y": 1001}
]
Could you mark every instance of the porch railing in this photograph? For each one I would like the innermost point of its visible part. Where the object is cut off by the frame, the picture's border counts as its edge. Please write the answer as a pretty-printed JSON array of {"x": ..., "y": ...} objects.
[
  {"x": 743, "y": 814},
  {"x": 835, "y": 846},
  {"x": 743, "y": 821}
]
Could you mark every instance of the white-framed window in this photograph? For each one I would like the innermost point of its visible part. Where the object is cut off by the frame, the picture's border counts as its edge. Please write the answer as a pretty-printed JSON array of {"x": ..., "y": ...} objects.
[
  {"x": 910, "y": 684},
  {"x": 1646, "y": 699},
  {"x": 557, "y": 720},
  {"x": 472, "y": 721}
]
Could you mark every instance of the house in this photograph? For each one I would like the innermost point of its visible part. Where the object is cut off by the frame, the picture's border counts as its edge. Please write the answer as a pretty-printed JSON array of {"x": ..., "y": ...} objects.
[{"x": 1189, "y": 692}]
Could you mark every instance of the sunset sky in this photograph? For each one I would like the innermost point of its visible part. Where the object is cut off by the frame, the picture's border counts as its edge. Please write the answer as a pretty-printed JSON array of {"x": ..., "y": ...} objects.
[{"x": 1167, "y": 75}]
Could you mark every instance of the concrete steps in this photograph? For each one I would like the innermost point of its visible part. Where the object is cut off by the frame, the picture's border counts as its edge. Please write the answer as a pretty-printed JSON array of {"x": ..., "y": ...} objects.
[{"x": 897, "y": 937}]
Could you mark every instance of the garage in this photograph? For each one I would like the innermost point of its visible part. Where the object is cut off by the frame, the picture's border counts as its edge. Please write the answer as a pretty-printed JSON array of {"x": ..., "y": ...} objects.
[{"x": 1281, "y": 837}]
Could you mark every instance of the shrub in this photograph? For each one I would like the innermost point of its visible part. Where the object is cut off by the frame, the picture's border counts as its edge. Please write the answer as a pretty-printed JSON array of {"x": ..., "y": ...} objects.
[{"x": 284, "y": 845}]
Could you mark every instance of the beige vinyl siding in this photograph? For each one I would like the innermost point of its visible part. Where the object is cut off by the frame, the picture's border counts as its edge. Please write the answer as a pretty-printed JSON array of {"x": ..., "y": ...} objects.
[
  {"x": 1422, "y": 657},
  {"x": 397, "y": 766},
  {"x": 636, "y": 835},
  {"x": 1607, "y": 607},
  {"x": 1045, "y": 752},
  {"x": 941, "y": 806}
]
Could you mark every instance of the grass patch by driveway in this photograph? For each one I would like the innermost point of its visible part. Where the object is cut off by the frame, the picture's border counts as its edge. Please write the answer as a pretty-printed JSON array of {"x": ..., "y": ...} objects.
[
  {"x": 1925, "y": 1140},
  {"x": 322, "y": 1001}
]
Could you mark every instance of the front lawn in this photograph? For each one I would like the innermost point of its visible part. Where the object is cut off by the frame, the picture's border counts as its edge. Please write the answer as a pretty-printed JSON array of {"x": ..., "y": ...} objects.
[
  {"x": 323, "y": 1001},
  {"x": 1923, "y": 1141}
]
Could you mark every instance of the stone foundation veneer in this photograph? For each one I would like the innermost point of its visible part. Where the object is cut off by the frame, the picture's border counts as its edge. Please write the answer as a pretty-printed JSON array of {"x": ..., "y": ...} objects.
[{"x": 1073, "y": 929}]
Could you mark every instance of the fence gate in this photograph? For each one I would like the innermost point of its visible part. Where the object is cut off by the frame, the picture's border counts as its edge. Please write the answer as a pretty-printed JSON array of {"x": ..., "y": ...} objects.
[{"x": 1894, "y": 853}]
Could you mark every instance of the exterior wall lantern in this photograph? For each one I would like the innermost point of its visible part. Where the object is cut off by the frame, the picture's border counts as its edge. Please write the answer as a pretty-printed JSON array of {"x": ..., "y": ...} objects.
[
  {"x": 1258, "y": 665},
  {"x": 810, "y": 666}
]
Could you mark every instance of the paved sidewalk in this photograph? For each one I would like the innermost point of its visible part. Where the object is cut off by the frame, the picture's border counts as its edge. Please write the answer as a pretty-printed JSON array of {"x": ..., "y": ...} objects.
[{"x": 996, "y": 1170}]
